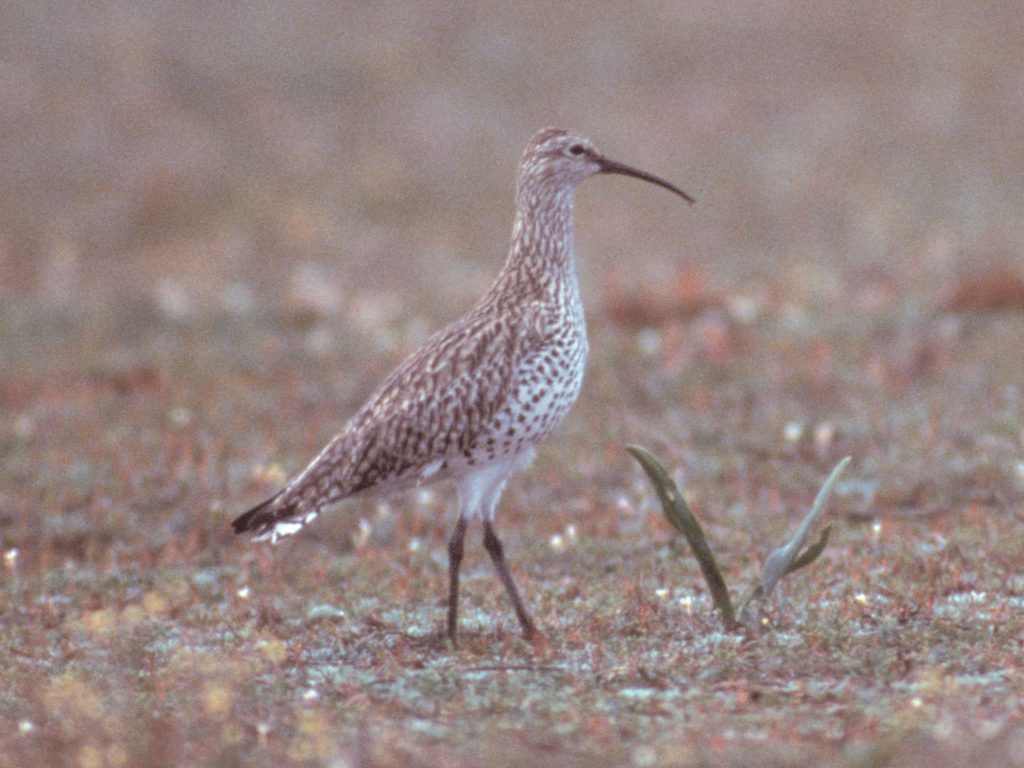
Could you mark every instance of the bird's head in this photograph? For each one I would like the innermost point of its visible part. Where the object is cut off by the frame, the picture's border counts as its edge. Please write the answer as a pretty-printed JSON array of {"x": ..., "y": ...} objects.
[{"x": 559, "y": 158}]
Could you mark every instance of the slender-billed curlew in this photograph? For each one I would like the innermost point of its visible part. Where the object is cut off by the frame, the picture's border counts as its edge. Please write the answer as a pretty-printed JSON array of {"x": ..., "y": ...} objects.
[{"x": 474, "y": 400}]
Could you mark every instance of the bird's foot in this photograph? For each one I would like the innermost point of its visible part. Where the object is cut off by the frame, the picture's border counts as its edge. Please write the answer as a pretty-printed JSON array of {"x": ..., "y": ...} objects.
[{"x": 539, "y": 643}]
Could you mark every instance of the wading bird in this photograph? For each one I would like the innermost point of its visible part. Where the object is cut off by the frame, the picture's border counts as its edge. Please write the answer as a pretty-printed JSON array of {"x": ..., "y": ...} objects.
[{"x": 474, "y": 400}]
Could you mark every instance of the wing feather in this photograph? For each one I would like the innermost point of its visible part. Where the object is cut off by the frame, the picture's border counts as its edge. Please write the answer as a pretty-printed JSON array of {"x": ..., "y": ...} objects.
[{"x": 430, "y": 409}]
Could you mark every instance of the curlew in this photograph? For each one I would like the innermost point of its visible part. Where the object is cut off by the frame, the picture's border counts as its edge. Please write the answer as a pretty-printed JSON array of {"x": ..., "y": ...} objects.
[{"x": 474, "y": 400}]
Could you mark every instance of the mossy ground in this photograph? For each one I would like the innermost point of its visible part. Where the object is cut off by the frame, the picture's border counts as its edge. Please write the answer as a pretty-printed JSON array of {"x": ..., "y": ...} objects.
[
  {"x": 216, "y": 239},
  {"x": 137, "y": 628}
]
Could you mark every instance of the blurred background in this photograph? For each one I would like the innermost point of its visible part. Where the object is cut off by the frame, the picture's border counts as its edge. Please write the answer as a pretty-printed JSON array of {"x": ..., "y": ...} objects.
[
  {"x": 227, "y": 221},
  {"x": 359, "y": 158},
  {"x": 222, "y": 223}
]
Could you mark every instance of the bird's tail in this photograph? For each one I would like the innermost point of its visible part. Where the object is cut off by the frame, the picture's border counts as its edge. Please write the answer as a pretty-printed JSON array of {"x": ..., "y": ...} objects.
[{"x": 273, "y": 519}]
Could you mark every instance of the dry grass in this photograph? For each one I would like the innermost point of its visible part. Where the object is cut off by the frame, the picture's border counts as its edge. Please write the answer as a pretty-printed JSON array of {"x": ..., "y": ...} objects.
[{"x": 219, "y": 227}]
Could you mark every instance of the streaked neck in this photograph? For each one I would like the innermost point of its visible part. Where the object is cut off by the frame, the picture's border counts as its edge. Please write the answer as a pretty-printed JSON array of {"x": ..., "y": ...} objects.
[{"x": 542, "y": 254}]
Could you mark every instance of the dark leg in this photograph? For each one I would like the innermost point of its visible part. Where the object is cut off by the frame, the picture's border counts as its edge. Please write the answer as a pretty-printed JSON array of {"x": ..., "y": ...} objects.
[
  {"x": 454, "y": 563},
  {"x": 495, "y": 550}
]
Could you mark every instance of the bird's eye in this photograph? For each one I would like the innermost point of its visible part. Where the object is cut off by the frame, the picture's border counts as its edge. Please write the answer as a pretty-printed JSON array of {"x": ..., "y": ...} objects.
[{"x": 576, "y": 149}]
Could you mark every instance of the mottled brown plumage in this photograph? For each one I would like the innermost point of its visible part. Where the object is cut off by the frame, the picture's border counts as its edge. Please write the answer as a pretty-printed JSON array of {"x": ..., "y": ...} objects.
[{"x": 475, "y": 399}]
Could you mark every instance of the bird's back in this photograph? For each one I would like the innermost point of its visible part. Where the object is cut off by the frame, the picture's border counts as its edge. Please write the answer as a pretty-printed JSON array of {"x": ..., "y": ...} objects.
[{"x": 485, "y": 388}]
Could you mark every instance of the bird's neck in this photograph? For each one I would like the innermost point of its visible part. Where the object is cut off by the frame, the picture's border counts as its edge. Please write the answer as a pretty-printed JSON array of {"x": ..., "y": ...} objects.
[{"x": 542, "y": 258}]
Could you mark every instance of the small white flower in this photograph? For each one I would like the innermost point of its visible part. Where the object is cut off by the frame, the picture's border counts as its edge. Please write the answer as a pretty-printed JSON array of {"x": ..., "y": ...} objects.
[
  {"x": 793, "y": 431},
  {"x": 824, "y": 434},
  {"x": 24, "y": 426},
  {"x": 644, "y": 756},
  {"x": 172, "y": 298},
  {"x": 649, "y": 341},
  {"x": 180, "y": 417}
]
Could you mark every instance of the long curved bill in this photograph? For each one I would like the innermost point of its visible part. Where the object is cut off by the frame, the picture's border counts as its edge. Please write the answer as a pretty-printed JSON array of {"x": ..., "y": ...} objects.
[{"x": 610, "y": 166}]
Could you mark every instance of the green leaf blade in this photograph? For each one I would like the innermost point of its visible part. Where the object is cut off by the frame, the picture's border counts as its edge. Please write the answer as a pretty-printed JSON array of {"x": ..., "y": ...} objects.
[{"x": 678, "y": 513}]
